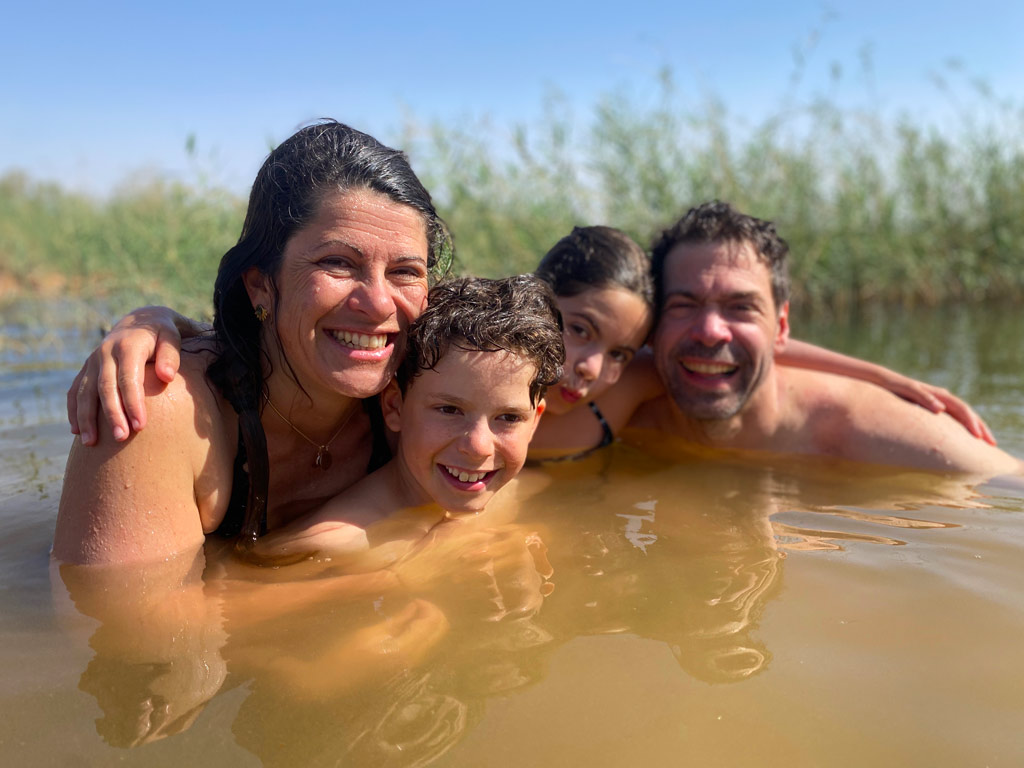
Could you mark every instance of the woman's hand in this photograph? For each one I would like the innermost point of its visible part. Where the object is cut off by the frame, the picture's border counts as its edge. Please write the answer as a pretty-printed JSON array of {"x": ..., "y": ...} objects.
[{"x": 115, "y": 371}]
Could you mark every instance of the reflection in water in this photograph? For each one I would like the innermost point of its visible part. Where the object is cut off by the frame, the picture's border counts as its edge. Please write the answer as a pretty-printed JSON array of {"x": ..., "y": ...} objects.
[
  {"x": 669, "y": 553},
  {"x": 332, "y": 671}
]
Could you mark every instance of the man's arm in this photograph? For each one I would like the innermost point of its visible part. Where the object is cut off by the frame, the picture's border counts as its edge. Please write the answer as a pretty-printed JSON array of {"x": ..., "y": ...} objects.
[{"x": 860, "y": 422}]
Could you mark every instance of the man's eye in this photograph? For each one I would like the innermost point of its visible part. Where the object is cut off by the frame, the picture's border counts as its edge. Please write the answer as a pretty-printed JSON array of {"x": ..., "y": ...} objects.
[{"x": 679, "y": 306}]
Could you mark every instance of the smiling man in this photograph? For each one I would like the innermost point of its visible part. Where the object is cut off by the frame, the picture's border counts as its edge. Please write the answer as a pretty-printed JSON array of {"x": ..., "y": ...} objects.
[{"x": 723, "y": 291}]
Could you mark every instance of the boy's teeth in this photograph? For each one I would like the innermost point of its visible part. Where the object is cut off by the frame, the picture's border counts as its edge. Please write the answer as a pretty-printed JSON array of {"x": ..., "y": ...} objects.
[
  {"x": 361, "y": 340},
  {"x": 466, "y": 477}
]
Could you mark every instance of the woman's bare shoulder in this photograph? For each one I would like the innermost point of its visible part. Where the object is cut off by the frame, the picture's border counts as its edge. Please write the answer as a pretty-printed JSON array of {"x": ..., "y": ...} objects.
[{"x": 158, "y": 492}]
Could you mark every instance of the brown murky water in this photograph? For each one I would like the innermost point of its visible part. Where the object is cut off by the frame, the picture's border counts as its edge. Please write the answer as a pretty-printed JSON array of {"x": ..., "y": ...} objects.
[{"x": 699, "y": 612}]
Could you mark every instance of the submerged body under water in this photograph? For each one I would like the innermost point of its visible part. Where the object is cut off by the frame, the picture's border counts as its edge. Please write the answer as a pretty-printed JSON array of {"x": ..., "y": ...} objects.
[{"x": 789, "y": 613}]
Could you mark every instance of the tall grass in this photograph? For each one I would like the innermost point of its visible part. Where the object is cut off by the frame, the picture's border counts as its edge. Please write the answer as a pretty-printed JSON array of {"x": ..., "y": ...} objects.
[{"x": 876, "y": 208}]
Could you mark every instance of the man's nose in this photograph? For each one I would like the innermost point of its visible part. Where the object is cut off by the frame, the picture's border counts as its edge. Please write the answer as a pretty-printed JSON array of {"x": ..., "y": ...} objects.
[{"x": 711, "y": 329}]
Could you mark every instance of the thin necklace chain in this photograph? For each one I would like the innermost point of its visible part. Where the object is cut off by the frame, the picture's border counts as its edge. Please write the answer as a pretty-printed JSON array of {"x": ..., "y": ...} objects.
[{"x": 323, "y": 454}]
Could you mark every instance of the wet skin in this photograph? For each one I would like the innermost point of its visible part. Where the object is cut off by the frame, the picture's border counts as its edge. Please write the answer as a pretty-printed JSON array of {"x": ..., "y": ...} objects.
[
  {"x": 465, "y": 427},
  {"x": 603, "y": 328},
  {"x": 719, "y": 328}
]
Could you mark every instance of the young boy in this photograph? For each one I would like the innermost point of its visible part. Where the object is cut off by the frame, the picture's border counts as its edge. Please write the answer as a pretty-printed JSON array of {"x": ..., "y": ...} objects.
[{"x": 465, "y": 402}]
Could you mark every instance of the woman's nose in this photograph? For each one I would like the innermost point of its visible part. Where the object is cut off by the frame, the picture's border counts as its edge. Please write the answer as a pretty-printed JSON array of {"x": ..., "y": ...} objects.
[{"x": 372, "y": 297}]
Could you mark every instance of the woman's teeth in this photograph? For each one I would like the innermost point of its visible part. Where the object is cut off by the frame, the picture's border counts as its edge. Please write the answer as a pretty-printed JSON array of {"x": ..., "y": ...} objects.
[{"x": 361, "y": 340}]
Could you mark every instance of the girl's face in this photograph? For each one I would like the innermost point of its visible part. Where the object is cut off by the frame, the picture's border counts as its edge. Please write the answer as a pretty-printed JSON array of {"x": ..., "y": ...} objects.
[{"x": 604, "y": 327}]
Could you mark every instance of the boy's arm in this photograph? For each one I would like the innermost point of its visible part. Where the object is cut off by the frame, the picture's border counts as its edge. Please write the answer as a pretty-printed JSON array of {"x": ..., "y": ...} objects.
[
  {"x": 114, "y": 374},
  {"x": 800, "y": 354}
]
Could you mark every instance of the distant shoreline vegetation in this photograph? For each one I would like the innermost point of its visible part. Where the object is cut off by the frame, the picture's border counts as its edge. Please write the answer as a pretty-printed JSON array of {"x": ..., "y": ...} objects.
[{"x": 875, "y": 210}]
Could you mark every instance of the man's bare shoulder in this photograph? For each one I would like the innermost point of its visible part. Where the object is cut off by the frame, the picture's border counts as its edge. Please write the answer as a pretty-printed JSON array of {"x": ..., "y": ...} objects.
[{"x": 854, "y": 420}]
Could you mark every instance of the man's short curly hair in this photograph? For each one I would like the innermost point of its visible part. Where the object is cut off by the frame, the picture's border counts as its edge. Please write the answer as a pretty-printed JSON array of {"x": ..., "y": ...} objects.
[
  {"x": 515, "y": 314},
  {"x": 719, "y": 222}
]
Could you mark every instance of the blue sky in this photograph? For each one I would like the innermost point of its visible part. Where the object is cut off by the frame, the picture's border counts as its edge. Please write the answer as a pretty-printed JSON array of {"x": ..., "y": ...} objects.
[{"x": 95, "y": 96}]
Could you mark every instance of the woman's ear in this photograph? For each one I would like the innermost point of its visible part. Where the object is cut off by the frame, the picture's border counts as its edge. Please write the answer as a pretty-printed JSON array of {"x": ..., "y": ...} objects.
[
  {"x": 257, "y": 285},
  {"x": 391, "y": 406}
]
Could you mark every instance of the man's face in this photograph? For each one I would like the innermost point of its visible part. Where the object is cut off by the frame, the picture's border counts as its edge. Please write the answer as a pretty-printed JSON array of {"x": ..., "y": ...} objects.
[{"x": 719, "y": 328}]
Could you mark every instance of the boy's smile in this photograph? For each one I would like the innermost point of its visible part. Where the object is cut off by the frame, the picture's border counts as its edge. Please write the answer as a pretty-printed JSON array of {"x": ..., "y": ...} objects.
[{"x": 464, "y": 427}]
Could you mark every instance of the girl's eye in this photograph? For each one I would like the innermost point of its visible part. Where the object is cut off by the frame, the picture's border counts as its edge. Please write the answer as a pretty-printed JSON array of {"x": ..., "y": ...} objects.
[
  {"x": 580, "y": 330},
  {"x": 620, "y": 356}
]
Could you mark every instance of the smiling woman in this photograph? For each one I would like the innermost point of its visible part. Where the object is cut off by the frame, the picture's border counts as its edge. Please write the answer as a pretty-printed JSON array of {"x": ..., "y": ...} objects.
[{"x": 311, "y": 306}]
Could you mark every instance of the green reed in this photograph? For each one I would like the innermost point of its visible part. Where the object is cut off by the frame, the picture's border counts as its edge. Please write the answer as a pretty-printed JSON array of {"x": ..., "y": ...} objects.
[{"x": 876, "y": 208}]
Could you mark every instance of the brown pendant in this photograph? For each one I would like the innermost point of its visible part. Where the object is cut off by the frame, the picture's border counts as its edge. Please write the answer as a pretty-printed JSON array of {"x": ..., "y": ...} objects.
[{"x": 323, "y": 458}]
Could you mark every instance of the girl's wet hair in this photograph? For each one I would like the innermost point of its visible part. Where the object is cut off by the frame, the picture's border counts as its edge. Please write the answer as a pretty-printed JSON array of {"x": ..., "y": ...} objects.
[
  {"x": 597, "y": 257},
  {"x": 514, "y": 314},
  {"x": 319, "y": 160}
]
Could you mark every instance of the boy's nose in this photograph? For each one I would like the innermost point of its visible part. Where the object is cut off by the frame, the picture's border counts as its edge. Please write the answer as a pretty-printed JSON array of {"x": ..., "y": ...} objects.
[{"x": 477, "y": 441}]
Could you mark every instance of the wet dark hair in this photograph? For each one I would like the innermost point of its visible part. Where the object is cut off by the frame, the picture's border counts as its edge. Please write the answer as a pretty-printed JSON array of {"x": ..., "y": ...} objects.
[
  {"x": 319, "y": 160},
  {"x": 516, "y": 314},
  {"x": 597, "y": 257},
  {"x": 719, "y": 222}
]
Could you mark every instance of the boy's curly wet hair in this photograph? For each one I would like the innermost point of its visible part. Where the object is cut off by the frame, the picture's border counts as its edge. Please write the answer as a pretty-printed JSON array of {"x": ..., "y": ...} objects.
[{"x": 515, "y": 314}]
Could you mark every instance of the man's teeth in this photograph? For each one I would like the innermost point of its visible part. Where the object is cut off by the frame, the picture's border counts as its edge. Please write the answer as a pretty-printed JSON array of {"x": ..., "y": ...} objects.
[
  {"x": 466, "y": 477},
  {"x": 709, "y": 368},
  {"x": 361, "y": 340}
]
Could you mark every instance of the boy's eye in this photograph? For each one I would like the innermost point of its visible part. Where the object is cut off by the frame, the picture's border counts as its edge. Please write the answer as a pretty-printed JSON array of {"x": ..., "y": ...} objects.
[
  {"x": 451, "y": 410},
  {"x": 511, "y": 418}
]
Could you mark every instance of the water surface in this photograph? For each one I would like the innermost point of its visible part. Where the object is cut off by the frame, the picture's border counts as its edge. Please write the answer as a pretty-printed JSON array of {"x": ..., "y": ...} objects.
[{"x": 709, "y": 612}]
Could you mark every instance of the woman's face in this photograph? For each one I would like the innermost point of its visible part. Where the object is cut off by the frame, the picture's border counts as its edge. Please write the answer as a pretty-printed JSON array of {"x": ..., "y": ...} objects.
[
  {"x": 603, "y": 328},
  {"x": 350, "y": 283}
]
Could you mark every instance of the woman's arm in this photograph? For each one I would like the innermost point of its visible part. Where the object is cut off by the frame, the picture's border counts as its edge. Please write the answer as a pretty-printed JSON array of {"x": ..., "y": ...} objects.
[
  {"x": 157, "y": 493},
  {"x": 801, "y": 354},
  {"x": 113, "y": 374}
]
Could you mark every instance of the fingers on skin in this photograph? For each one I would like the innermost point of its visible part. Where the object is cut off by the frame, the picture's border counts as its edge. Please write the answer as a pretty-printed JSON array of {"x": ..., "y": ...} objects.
[
  {"x": 84, "y": 394},
  {"x": 167, "y": 357},
  {"x": 72, "y": 399},
  {"x": 110, "y": 399}
]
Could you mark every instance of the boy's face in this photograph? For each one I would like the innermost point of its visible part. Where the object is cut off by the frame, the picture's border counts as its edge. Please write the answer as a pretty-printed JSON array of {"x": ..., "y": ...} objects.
[{"x": 465, "y": 427}]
